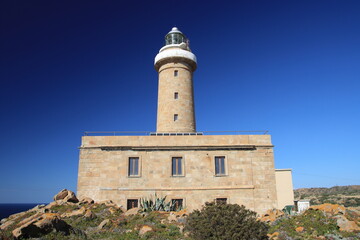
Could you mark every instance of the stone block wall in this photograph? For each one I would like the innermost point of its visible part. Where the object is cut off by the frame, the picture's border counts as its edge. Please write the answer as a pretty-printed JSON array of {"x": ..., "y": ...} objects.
[
  {"x": 249, "y": 178},
  {"x": 182, "y": 105}
]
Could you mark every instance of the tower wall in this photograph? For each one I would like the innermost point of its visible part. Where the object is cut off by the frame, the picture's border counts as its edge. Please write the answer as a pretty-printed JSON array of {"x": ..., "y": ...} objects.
[{"x": 175, "y": 98}]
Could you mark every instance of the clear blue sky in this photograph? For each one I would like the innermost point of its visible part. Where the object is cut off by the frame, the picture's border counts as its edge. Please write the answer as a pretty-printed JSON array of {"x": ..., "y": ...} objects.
[{"x": 290, "y": 67}]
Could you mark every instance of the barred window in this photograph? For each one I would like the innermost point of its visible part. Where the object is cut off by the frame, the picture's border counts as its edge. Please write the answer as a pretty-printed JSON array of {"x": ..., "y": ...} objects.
[
  {"x": 177, "y": 204},
  {"x": 132, "y": 203}
]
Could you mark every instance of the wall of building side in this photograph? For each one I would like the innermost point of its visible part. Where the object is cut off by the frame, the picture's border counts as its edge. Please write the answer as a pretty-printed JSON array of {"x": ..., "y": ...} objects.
[
  {"x": 284, "y": 187},
  {"x": 169, "y": 84},
  {"x": 249, "y": 179}
]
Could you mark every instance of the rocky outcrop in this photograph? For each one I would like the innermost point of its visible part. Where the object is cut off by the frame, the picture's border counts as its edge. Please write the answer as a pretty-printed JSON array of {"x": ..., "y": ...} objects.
[
  {"x": 346, "y": 225},
  {"x": 66, "y": 196},
  {"x": 330, "y": 209},
  {"x": 86, "y": 200},
  {"x": 103, "y": 224},
  {"x": 341, "y": 214},
  {"x": 41, "y": 225},
  {"x": 271, "y": 215},
  {"x": 179, "y": 216},
  {"x": 81, "y": 211},
  {"x": 132, "y": 211},
  {"x": 89, "y": 214}
]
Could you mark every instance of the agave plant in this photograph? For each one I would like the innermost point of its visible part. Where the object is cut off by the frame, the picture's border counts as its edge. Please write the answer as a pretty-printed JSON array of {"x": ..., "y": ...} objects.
[{"x": 158, "y": 204}]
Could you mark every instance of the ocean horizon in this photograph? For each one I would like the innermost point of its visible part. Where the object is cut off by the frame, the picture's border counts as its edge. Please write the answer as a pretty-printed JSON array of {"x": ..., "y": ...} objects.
[{"x": 7, "y": 209}]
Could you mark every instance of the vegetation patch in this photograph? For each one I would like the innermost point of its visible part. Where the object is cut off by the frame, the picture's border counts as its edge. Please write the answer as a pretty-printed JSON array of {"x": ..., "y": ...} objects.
[
  {"x": 64, "y": 208},
  {"x": 225, "y": 221},
  {"x": 314, "y": 223}
]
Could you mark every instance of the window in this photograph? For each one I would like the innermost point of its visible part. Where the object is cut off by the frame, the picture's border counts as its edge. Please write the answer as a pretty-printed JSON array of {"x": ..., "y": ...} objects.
[
  {"x": 219, "y": 165},
  {"x": 175, "y": 73},
  {"x": 177, "y": 166},
  {"x": 132, "y": 203},
  {"x": 177, "y": 204},
  {"x": 133, "y": 166},
  {"x": 176, "y": 117},
  {"x": 221, "y": 200},
  {"x": 176, "y": 95}
]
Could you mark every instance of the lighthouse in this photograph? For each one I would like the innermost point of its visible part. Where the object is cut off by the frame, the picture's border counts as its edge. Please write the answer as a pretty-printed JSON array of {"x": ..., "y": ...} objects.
[
  {"x": 175, "y": 64},
  {"x": 190, "y": 168}
]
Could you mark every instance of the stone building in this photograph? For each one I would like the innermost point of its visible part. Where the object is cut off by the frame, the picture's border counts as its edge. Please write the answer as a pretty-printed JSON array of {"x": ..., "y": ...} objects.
[{"x": 176, "y": 161}]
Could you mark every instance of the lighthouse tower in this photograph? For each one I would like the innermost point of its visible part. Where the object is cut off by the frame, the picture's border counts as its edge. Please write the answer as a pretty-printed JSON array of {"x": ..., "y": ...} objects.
[
  {"x": 188, "y": 167},
  {"x": 175, "y": 64}
]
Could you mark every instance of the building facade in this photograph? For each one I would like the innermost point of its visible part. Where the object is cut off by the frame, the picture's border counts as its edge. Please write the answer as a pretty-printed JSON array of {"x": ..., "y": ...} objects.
[{"x": 176, "y": 161}]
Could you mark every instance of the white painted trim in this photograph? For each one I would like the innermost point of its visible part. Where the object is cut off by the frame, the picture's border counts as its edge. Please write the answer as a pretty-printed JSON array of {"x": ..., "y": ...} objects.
[{"x": 175, "y": 52}]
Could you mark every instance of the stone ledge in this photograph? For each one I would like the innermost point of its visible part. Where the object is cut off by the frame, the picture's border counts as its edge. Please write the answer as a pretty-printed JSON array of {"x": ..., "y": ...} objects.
[
  {"x": 179, "y": 148},
  {"x": 179, "y": 189}
]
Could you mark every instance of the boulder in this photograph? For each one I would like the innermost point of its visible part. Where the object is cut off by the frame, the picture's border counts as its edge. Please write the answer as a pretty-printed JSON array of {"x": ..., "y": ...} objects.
[
  {"x": 38, "y": 208},
  {"x": 89, "y": 214},
  {"x": 86, "y": 200},
  {"x": 66, "y": 196},
  {"x": 345, "y": 225},
  {"x": 42, "y": 225},
  {"x": 78, "y": 212},
  {"x": 182, "y": 213},
  {"x": 144, "y": 229},
  {"x": 132, "y": 211},
  {"x": 271, "y": 215},
  {"x": 172, "y": 217},
  {"x": 108, "y": 203},
  {"x": 112, "y": 210},
  {"x": 274, "y": 236},
  {"x": 103, "y": 224},
  {"x": 330, "y": 209}
]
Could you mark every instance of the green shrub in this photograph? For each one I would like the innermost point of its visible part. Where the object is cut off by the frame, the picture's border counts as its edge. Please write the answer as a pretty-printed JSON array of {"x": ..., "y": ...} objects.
[
  {"x": 225, "y": 221},
  {"x": 314, "y": 222}
]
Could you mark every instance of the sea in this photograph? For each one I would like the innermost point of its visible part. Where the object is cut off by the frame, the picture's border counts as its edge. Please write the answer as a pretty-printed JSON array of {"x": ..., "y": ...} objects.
[{"x": 6, "y": 209}]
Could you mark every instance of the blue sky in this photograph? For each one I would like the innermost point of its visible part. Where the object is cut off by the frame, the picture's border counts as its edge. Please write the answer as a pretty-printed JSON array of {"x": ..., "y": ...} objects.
[{"x": 290, "y": 67}]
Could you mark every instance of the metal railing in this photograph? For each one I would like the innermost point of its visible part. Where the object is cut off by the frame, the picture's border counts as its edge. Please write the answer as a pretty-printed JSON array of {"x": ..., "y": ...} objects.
[{"x": 148, "y": 133}]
